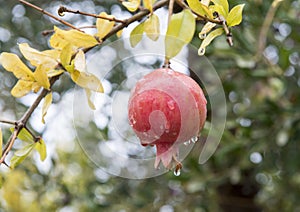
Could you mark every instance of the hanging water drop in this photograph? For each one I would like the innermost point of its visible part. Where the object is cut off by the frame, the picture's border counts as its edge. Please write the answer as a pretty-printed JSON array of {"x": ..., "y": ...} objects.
[
  {"x": 177, "y": 172},
  {"x": 187, "y": 142},
  {"x": 194, "y": 139}
]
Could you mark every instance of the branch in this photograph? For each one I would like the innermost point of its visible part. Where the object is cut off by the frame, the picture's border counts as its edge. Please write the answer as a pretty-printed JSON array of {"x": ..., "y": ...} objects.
[
  {"x": 7, "y": 122},
  {"x": 63, "y": 9},
  {"x": 48, "y": 14}
]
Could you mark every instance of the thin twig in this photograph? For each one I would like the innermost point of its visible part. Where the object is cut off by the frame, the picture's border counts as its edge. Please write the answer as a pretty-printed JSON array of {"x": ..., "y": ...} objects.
[
  {"x": 63, "y": 9},
  {"x": 226, "y": 29},
  {"x": 48, "y": 14},
  {"x": 170, "y": 12},
  {"x": 7, "y": 122}
]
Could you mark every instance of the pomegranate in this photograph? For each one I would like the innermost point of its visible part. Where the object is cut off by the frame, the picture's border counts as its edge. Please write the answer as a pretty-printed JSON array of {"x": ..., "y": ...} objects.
[{"x": 166, "y": 108}]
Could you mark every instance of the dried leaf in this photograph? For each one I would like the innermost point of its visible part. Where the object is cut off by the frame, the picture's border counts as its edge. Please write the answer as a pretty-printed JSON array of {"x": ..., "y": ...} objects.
[
  {"x": 136, "y": 34},
  {"x": 79, "y": 61},
  {"x": 41, "y": 77},
  {"x": 76, "y": 38},
  {"x": 206, "y": 29},
  {"x": 104, "y": 26},
  {"x": 13, "y": 63},
  {"x": 90, "y": 102},
  {"x": 36, "y": 58},
  {"x": 132, "y": 5},
  {"x": 21, "y": 88},
  {"x": 66, "y": 55},
  {"x": 208, "y": 39},
  {"x": 180, "y": 32},
  {"x": 235, "y": 15},
  {"x": 87, "y": 80},
  {"x": 41, "y": 149},
  {"x": 151, "y": 27},
  {"x": 46, "y": 105}
]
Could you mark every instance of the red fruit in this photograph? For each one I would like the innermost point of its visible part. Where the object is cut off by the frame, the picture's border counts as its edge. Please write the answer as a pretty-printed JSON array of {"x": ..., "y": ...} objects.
[{"x": 166, "y": 108}]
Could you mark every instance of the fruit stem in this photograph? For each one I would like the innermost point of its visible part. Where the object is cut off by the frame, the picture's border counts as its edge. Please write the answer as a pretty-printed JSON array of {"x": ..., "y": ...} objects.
[{"x": 170, "y": 9}]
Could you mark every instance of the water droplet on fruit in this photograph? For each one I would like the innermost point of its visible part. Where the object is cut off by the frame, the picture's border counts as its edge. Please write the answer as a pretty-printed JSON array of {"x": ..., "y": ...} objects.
[
  {"x": 194, "y": 139},
  {"x": 202, "y": 36},
  {"x": 171, "y": 105},
  {"x": 177, "y": 172},
  {"x": 187, "y": 142},
  {"x": 201, "y": 51}
]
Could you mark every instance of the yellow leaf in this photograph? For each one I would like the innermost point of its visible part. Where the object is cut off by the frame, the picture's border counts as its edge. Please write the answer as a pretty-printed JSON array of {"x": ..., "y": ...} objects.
[
  {"x": 206, "y": 29},
  {"x": 200, "y": 8},
  {"x": 136, "y": 34},
  {"x": 35, "y": 87},
  {"x": 41, "y": 149},
  {"x": 37, "y": 58},
  {"x": 79, "y": 61},
  {"x": 90, "y": 102},
  {"x": 46, "y": 105},
  {"x": 1, "y": 142},
  {"x": 235, "y": 15},
  {"x": 180, "y": 32},
  {"x": 208, "y": 39},
  {"x": 13, "y": 63},
  {"x": 119, "y": 33},
  {"x": 151, "y": 27},
  {"x": 104, "y": 26},
  {"x": 148, "y": 5},
  {"x": 132, "y": 5},
  {"x": 78, "y": 39},
  {"x": 21, "y": 88},
  {"x": 224, "y": 7},
  {"x": 66, "y": 55},
  {"x": 205, "y": 2},
  {"x": 87, "y": 80},
  {"x": 40, "y": 76},
  {"x": 53, "y": 72}
]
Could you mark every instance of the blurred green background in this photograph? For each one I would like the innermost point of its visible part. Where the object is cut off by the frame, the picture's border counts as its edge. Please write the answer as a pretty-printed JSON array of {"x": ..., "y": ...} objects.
[{"x": 256, "y": 165}]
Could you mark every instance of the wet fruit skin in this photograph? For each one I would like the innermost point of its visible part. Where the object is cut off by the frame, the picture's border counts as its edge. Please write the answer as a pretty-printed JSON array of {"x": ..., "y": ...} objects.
[{"x": 166, "y": 108}]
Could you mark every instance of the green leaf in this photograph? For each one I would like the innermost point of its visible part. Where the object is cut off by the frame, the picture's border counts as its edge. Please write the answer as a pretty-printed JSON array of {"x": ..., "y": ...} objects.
[
  {"x": 180, "y": 32},
  {"x": 200, "y": 8},
  {"x": 208, "y": 39},
  {"x": 151, "y": 27},
  {"x": 41, "y": 149},
  {"x": 20, "y": 155},
  {"x": 224, "y": 5},
  {"x": 24, "y": 135},
  {"x": 136, "y": 34},
  {"x": 235, "y": 15},
  {"x": 1, "y": 142},
  {"x": 46, "y": 105}
]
